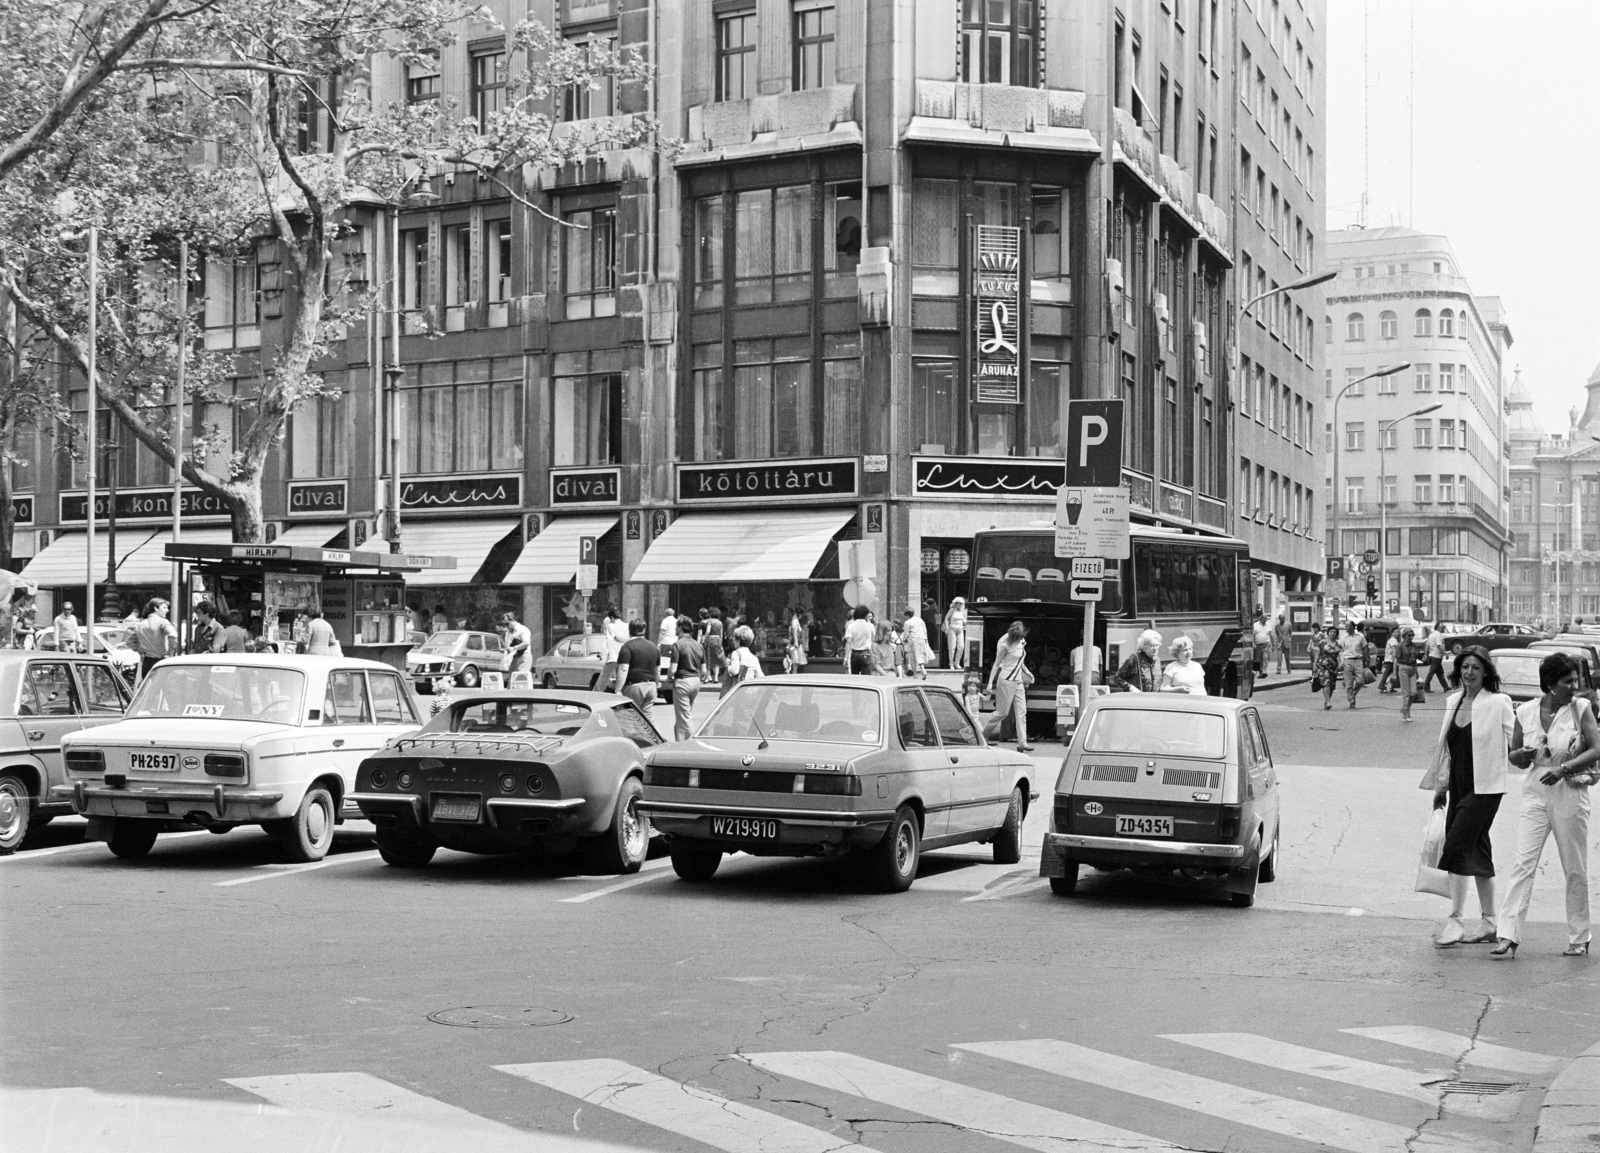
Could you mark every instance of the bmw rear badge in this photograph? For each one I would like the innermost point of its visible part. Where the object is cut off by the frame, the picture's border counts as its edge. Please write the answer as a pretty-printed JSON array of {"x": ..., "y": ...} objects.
[{"x": 749, "y": 761}]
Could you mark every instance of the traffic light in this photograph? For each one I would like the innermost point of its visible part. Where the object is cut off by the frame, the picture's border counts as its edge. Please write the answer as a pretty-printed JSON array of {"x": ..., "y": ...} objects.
[
  {"x": 1350, "y": 601},
  {"x": 1372, "y": 587}
]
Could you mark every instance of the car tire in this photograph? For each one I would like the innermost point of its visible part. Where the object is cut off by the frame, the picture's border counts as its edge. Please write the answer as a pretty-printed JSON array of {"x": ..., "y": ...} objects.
[
  {"x": 694, "y": 862},
  {"x": 132, "y": 840},
  {"x": 1066, "y": 884},
  {"x": 310, "y": 832},
  {"x": 401, "y": 851},
  {"x": 1269, "y": 865},
  {"x": 624, "y": 846},
  {"x": 468, "y": 677},
  {"x": 549, "y": 680},
  {"x": 1008, "y": 841},
  {"x": 892, "y": 862},
  {"x": 16, "y": 812},
  {"x": 1242, "y": 900}
]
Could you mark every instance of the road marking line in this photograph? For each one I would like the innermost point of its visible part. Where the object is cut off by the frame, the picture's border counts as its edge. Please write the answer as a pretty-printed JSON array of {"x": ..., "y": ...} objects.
[
  {"x": 32, "y": 854},
  {"x": 1282, "y": 1115},
  {"x": 281, "y": 870},
  {"x": 346, "y": 1093},
  {"x": 1455, "y": 1046},
  {"x": 682, "y": 1109},
  {"x": 985, "y": 1114},
  {"x": 1024, "y": 882},
  {"x": 1316, "y": 1063},
  {"x": 969, "y": 877},
  {"x": 650, "y": 871}
]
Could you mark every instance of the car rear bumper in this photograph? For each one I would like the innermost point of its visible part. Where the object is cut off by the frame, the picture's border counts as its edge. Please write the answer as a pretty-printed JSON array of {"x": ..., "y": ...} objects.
[
  {"x": 507, "y": 814},
  {"x": 1059, "y": 848},
  {"x": 800, "y": 831},
  {"x": 173, "y": 802}
]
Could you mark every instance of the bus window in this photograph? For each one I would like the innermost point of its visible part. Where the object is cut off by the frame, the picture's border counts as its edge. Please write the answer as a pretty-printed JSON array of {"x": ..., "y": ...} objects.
[
  {"x": 1183, "y": 578},
  {"x": 1011, "y": 567}
]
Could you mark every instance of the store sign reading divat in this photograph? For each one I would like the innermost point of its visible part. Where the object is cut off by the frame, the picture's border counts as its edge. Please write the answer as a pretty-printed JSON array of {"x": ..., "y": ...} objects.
[{"x": 997, "y": 265}]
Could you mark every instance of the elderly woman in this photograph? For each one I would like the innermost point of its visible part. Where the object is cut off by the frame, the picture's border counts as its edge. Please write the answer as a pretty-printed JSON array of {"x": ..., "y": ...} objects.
[
  {"x": 1325, "y": 662},
  {"x": 1558, "y": 742},
  {"x": 1183, "y": 674},
  {"x": 1468, "y": 778},
  {"x": 1141, "y": 672}
]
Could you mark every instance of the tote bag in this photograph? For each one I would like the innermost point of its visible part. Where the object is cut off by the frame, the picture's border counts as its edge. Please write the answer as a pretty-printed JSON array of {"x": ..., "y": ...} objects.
[{"x": 1430, "y": 877}]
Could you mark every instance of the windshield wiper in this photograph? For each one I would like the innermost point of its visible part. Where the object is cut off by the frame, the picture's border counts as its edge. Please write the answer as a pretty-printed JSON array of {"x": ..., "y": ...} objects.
[{"x": 757, "y": 724}]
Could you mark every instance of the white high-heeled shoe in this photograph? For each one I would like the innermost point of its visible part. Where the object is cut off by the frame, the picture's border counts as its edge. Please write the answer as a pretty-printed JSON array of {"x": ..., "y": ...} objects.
[
  {"x": 1487, "y": 932},
  {"x": 1452, "y": 933}
]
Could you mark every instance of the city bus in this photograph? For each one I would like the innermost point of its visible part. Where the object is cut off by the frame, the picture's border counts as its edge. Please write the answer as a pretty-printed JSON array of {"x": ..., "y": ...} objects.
[{"x": 1180, "y": 584}]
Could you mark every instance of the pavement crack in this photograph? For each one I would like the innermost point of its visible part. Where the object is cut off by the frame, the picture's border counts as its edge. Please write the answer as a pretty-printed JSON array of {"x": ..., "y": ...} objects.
[{"x": 1456, "y": 1070}]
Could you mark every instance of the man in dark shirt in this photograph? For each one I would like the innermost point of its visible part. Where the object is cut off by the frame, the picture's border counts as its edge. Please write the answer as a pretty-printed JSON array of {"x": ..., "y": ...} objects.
[
  {"x": 687, "y": 665},
  {"x": 203, "y": 637},
  {"x": 639, "y": 667},
  {"x": 235, "y": 638}
]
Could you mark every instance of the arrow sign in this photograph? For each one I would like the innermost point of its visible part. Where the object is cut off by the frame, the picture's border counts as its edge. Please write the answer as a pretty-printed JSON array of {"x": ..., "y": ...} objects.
[{"x": 1086, "y": 590}]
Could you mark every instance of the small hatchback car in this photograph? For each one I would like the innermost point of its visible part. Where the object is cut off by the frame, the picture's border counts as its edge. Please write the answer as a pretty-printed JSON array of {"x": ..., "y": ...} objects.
[
  {"x": 454, "y": 657},
  {"x": 1167, "y": 785},
  {"x": 228, "y": 739},
  {"x": 822, "y": 766},
  {"x": 515, "y": 771}
]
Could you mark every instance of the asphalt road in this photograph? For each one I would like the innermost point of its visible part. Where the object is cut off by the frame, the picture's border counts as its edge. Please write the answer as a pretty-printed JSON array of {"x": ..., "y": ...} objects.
[{"x": 784, "y": 1008}]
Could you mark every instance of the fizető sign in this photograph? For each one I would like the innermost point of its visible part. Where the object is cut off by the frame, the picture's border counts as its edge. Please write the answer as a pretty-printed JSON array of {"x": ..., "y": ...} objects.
[{"x": 1092, "y": 522}]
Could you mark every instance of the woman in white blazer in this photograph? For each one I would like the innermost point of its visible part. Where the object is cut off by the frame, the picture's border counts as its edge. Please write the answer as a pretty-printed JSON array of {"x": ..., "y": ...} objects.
[{"x": 1468, "y": 774}]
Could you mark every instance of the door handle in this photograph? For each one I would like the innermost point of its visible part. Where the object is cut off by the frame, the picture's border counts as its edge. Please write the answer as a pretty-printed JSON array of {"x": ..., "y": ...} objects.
[
  {"x": 339, "y": 744},
  {"x": 36, "y": 734},
  {"x": 955, "y": 760}
]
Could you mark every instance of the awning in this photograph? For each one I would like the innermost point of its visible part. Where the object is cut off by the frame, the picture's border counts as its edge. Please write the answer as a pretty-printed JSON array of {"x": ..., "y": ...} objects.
[
  {"x": 741, "y": 546},
  {"x": 310, "y": 535},
  {"x": 469, "y": 541},
  {"x": 150, "y": 566},
  {"x": 551, "y": 558},
  {"x": 63, "y": 564}
]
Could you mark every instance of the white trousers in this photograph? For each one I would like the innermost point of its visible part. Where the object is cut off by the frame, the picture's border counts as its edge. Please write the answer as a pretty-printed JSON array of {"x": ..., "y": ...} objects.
[
  {"x": 1009, "y": 696},
  {"x": 1564, "y": 811}
]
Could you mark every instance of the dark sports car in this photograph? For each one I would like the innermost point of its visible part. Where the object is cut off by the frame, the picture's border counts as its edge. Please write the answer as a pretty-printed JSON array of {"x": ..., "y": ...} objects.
[{"x": 541, "y": 771}]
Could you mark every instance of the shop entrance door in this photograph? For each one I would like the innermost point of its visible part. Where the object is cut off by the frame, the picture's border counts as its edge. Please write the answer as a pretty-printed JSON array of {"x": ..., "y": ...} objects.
[{"x": 946, "y": 574}]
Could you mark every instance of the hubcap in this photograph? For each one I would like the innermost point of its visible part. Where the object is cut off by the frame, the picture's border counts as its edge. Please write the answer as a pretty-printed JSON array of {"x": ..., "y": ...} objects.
[
  {"x": 632, "y": 830},
  {"x": 902, "y": 849},
  {"x": 9, "y": 814},
  {"x": 317, "y": 822}
]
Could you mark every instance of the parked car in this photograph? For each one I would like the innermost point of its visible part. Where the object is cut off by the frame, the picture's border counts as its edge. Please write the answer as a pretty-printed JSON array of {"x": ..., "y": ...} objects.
[
  {"x": 228, "y": 739},
  {"x": 109, "y": 639},
  {"x": 574, "y": 662},
  {"x": 1496, "y": 635},
  {"x": 43, "y": 697},
  {"x": 515, "y": 771},
  {"x": 1519, "y": 669},
  {"x": 457, "y": 656},
  {"x": 824, "y": 766},
  {"x": 1163, "y": 786}
]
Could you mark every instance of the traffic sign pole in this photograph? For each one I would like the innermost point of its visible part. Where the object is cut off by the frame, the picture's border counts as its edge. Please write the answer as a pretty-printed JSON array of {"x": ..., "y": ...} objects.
[{"x": 1086, "y": 665}]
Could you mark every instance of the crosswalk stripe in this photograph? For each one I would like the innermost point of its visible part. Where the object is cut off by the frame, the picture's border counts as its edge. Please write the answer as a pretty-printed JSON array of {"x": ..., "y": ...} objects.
[
  {"x": 363, "y": 1093},
  {"x": 678, "y": 1108},
  {"x": 1281, "y": 1115},
  {"x": 1459, "y": 1048},
  {"x": 985, "y": 1114},
  {"x": 1316, "y": 1063}
]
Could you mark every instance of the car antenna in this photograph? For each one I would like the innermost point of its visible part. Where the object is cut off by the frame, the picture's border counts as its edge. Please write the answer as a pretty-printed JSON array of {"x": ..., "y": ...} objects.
[{"x": 757, "y": 724}]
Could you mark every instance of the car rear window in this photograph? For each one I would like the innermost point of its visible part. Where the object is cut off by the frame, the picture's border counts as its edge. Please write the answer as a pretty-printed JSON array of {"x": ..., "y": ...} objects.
[
  {"x": 778, "y": 712},
  {"x": 1163, "y": 732},
  {"x": 1520, "y": 667},
  {"x": 237, "y": 692},
  {"x": 533, "y": 718}
]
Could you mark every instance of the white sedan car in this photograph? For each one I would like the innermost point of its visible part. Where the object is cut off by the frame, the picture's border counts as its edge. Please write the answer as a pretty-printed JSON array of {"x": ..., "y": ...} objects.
[{"x": 228, "y": 739}]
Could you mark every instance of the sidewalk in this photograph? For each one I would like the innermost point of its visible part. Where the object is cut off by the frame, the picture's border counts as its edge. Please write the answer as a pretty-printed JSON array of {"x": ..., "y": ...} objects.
[{"x": 1569, "y": 1118}]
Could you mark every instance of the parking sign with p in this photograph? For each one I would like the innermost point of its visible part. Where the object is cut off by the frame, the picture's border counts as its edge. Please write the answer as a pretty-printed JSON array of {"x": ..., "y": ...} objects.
[{"x": 1094, "y": 443}]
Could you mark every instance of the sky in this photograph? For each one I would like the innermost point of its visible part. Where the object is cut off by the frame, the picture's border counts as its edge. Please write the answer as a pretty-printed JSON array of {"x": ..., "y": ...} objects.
[{"x": 1495, "y": 145}]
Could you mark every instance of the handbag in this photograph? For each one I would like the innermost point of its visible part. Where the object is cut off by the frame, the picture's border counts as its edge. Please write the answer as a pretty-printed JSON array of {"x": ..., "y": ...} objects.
[
  {"x": 1430, "y": 877},
  {"x": 1367, "y": 675},
  {"x": 1316, "y": 684},
  {"x": 1591, "y": 775}
]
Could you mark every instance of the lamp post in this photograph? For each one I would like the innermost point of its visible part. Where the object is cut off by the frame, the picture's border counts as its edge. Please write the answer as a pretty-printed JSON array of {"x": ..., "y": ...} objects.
[
  {"x": 1383, "y": 503},
  {"x": 1555, "y": 553},
  {"x": 1333, "y": 519},
  {"x": 111, "y": 604}
]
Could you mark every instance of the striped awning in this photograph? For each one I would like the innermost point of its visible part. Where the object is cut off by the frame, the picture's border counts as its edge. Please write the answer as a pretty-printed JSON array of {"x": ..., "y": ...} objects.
[
  {"x": 551, "y": 558},
  {"x": 721, "y": 547},
  {"x": 469, "y": 541}
]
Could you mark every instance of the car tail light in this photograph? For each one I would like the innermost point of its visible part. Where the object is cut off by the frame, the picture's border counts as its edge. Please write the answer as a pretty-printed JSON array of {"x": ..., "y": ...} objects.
[
  {"x": 508, "y": 783},
  {"x": 1228, "y": 821},
  {"x": 379, "y": 779},
  {"x": 535, "y": 784},
  {"x": 224, "y": 765},
  {"x": 672, "y": 778},
  {"x": 86, "y": 761},
  {"x": 404, "y": 780},
  {"x": 828, "y": 784}
]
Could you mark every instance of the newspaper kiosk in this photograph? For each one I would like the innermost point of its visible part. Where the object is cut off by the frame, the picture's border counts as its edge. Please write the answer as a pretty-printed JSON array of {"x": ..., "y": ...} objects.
[{"x": 277, "y": 588}]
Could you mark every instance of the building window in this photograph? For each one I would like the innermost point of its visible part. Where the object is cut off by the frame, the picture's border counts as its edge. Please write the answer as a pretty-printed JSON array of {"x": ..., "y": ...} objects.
[
  {"x": 1422, "y": 493},
  {"x": 488, "y": 84},
  {"x": 422, "y": 82},
  {"x": 1424, "y": 322},
  {"x": 1422, "y": 434},
  {"x": 1388, "y": 436},
  {"x": 413, "y": 277},
  {"x": 998, "y": 39},
  {"x": 1386, "y": 386},
  {"x": 772, "y": 244},
  {"x": 841, "y": 392},
  {"x": 934, "y": 237},
  {"x": 1355, "y": 436},
  {"x": 497, "y": 266},
  {"x": 813, "y": 44},
  {"x": 319, "y": 432},
  {"x": 1327, "y": 330},
  {"x": 736, "y": 54},
  {"x": 1447, "y": 378},
  {"x": 705, "y": 383},
  {"x": 461, "y": 416},
  {"x": 1422, "y": 378},
  {"x": 1353, "y": 381},
  {"x": 1388, "y": 326},
  {"x": 708, "y": 220},
  {"x": 772, "y": 398},
  {"x": 1327, "y": 437},
  {"x": 1447, "y": 490},
  {"x": 1051, "y": 256},
  {"x": 232, "y": 291},
  {"x": 589, "y": 262},
  {"x": 1355, "y": 327},
  {"x": 1447, "y": 322},
  {"x": 1390, "y": 493},
  {"x": 1353, "y": 488},
  {"x": 1421, "y": 543},
  {"x": 1049, "y": 382},
  {"x": 1447, "y": 434},
  {"x": 597, "y": 96},
  {"x": 586, "y": 408},
  {"x": 934, "y": 416}
]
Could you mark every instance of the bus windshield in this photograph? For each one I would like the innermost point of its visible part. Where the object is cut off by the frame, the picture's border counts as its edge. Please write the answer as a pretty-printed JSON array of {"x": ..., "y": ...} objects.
[{"x": 1022, "y": 566}]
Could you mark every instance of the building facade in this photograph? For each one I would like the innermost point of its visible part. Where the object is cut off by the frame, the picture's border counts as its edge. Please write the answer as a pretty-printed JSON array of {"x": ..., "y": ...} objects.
[
  {"x": 1416, "y": 465},
  {"x": 897, "y": 240}
]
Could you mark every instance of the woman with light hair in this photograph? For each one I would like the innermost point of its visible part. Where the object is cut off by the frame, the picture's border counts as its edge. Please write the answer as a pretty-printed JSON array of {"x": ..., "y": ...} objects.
[
  {"x": 1141, "y": 672},
  {"x": 1183, "y": 674}
]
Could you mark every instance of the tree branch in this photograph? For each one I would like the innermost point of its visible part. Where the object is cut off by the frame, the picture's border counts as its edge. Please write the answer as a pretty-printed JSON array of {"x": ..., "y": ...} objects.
[{"x": 172, "y": 63}]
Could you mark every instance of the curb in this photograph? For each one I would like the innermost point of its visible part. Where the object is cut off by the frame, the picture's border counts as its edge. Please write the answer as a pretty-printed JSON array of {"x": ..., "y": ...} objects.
[
  {"x": 1569, "y": 1117},
  {"x": 1291, "y": 680}
]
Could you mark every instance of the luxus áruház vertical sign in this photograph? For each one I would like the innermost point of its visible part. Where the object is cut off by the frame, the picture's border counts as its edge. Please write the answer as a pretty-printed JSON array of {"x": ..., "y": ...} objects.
[{"x": 997, "y": 264}]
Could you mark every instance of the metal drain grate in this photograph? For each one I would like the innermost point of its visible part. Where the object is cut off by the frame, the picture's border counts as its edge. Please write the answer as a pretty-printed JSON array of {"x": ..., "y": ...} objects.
[
  {"x": 499, "y": 1017},
  {"x": 1483, "y": 1088}
]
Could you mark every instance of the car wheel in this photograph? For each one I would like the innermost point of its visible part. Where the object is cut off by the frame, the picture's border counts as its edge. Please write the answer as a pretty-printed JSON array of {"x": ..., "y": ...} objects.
[
  {"x": 892, "y": 862},
  {"x": 1269, "y": 866},
  {"x": 16, "y": 809},
  {"x": 1008, "y": 841},
  {"x": 310, "y": 831},
  {"x": 622, "y": 848},
  {"x": 1067, "y": 883},
  {"x": 468, "y": 677},
  {"x": 1242, "y": 900},
  {"x": 549, "y": 680},
  {"x": 132, "y": 840},
  {"x": 694, "y": 862},
  {"x": 402, "y": 852}
]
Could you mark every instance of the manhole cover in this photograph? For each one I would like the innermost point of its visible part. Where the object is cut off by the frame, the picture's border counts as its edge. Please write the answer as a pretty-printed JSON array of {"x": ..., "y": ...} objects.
[
  {"x": 499, "y": 1017},
  {"x": 1482, "y": 1087}
]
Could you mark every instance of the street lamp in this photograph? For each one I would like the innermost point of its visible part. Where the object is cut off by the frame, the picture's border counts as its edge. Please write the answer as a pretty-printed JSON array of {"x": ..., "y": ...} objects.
[
  {"x": 1333, "y": 520},
  {"x": 1555, "y": 553},
  {"x": 1383, "y": 503}
]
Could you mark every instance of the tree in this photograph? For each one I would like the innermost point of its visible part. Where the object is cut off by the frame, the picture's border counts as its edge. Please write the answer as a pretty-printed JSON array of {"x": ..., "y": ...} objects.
[{"x": 258, "y": 127}]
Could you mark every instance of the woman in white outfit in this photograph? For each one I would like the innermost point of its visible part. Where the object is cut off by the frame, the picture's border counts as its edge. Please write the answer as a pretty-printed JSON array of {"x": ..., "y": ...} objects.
[
  {"x": 1009, "y": 680},
  {"x": 1550, "y": 733},
  {"x": 1183, "y": 674}
]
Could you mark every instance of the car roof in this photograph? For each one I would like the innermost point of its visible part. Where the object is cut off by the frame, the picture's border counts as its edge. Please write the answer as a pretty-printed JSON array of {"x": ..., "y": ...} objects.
[
  {"x": 1169, "y": 702},
  {"x": 572, "y": 696},
  {"x": 17, "y": 656},
  {"x": 306, "y": 663},
  {"x": 844, "y": 681}
]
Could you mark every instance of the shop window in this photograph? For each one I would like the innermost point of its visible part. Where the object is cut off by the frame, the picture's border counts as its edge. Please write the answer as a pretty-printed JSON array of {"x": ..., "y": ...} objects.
[
  {"x": 586, "y": 408},
  {"x": 935, "y": 412},
  {"x": 736, "y": 54},
  {"x": 585, "y": 101},
  {"x": 461, "y": 416},
  {"x": 319, "y": 432},
  {"x": 708, "y": 252},
  {"x": 997, "y": 431},
  {"x": 589, "y": 262},
  {"x": 935, "y": 248},
  {"x": 813, "y": 23},
  {"x": 841, "y": 250},
  {"x": 232, "y": 293},
  {"x": 772, "y": 398},
  {"x": 998, "y": 42},
  {"x": 488, "y": 84},
  {"x": 772, "y": 244},
  {"x": 841, "y": 392}
]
